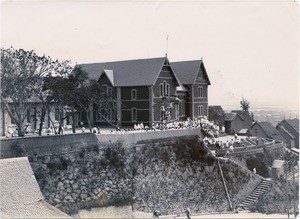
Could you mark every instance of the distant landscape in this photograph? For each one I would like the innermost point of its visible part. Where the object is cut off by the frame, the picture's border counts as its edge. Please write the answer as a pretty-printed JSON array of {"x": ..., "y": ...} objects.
[{"x": 271, "y": 114}]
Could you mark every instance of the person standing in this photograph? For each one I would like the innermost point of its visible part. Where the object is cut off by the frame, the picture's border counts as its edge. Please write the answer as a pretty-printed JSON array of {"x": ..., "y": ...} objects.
[{"x": 188, "y": 213}]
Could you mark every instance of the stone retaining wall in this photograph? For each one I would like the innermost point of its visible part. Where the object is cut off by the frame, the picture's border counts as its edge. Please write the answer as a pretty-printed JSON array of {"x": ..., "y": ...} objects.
[
  {"x": 134, "y": 137},
  {"x": 45, "y": 145}
]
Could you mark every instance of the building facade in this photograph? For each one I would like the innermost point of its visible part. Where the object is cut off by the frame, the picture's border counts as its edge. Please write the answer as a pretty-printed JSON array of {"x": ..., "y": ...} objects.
[
  {"x": 151, "y": 90},
  {"x": 195, "y": 81},
  {"x": 146, "y": 91},
  {"x": 289, "y": 129},
  {"x": 265, "y": 130},
  {"x": 237, "y": 120}
]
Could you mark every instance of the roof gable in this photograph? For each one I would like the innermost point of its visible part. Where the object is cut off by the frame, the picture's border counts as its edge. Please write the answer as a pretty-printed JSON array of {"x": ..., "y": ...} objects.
[
  {"x": 110, "y": 75},
  {"x": 294, "y": 123},
  {"x": 270, "y": 130},
  {"x": 139, "y": 72},
  {"x": 245, "y": 115},
  {"x": 187, "y": 71},
  {"x": 230, "y": 116}
]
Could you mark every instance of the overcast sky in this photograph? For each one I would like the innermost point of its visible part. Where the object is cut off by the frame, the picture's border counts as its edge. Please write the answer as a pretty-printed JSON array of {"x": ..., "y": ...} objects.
[{"x": 250, "y": 49}]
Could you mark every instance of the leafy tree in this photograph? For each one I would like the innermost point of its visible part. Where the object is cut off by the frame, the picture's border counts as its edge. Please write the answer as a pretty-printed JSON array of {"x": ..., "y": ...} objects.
[
  {"x": 91, "y": 95},
  {"x": 22, "y": 73},
  {"x": 245, "y": 105},
  {"x": 106, "y": 104},
  {"x": 62, "y": 88}
]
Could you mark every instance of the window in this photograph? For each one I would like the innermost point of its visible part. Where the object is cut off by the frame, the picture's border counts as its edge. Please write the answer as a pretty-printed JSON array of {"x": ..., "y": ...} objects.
[
  {"x": 12, "y": 121},
  {"x": 133, "y": 94},
  {"x": 167, "y": 93},
  {"x": 109, "y": 91},
  {"x": 28, "y": 115},
  {"x": 200, "y": 91},
  {"x": 161, "y": 89},
  {"x": 105, "y": 88},
  {"x": 200, "y": 110},
  {"x": 164, "y": 89},
  {"x": 133, "y": 114}
]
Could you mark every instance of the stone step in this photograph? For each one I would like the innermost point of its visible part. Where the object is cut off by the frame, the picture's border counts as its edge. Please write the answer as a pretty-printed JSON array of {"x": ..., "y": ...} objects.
[
  {"x": 250, "y": 199},
  {"x": 256, "y": 193},
  {"x": 260, "y": 189}
]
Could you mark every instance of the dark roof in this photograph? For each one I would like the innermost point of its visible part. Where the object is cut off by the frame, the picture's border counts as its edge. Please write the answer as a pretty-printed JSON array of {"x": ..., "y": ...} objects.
[
  {"x": 230, "y": 116},
  {"x": 187, "y": 71},
  {"x": 245, "y": 115},
  {"x": 270, "y": 130},
  {"x": 139, "y": 72},
  {"x": 294, "y": 123},
  {"x": 216, "y": 110}
]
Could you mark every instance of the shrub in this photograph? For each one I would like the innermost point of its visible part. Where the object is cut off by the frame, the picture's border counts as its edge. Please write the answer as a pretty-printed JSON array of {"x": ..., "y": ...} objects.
[
  {"x": 115, "y": 155},
  {"x": 18, "y": 149}
]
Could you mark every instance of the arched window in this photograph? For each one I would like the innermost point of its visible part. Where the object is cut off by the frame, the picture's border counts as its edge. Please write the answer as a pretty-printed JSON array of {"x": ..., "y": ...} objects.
[
  {"x": 200, "y": 91},
  {"x": 200, "y": 110},
  {"x": 133, "y": 94},
  {"x": 133, "y": 114}
]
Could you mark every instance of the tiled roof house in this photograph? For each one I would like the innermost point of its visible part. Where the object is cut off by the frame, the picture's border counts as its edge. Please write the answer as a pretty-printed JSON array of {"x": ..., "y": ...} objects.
[
  {"x": 237, "y": 120},
  {"x": 265, "y": 130},
  {"x": 289, "y": 129},
  {"x": 146, "y": 87}
]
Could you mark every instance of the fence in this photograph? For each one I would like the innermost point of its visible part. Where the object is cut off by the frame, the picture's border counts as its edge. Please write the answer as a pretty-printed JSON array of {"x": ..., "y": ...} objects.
[{"x": 252, "y": 149}]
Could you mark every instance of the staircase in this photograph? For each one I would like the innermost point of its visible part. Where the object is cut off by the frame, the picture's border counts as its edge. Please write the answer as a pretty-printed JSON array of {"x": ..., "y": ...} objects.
[{"x": 256, "y": 193}]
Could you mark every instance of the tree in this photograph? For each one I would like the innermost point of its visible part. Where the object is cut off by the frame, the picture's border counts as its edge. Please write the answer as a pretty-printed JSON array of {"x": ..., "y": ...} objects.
[
  {"x": 107, "y": 107},
  {"x": 21, "y": 73},
  {"x": 91, "y": 96},
  {"x": 245, "y": 105},
  {"x": 62, "y": 87}
]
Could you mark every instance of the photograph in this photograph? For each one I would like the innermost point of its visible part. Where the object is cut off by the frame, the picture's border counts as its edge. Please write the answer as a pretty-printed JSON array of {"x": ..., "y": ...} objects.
[{"x": 149, "y": 109}]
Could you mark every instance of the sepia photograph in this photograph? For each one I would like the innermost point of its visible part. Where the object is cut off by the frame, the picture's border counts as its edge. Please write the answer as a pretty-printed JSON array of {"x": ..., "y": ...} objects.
[{"x": 149, "y": 109}]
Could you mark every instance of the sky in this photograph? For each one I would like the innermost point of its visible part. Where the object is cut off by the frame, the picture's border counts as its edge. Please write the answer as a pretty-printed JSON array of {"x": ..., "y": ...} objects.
[{"x": 250, "y": 49}]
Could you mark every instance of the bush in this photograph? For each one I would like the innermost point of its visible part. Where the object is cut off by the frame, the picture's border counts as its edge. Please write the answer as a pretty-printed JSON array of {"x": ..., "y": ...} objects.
[
  {"x": 18, "y": 149},
  {"x": 115, "y": 155}
]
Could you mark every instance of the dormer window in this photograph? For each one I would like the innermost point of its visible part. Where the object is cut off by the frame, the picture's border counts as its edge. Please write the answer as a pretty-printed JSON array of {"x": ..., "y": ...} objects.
[{"x": 133, "y": 94}]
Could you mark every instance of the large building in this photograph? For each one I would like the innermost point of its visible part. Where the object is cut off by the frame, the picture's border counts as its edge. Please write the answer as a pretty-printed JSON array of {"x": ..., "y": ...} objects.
[
  {"x": 146, "y": 91},
  {"x": 151, "y": 90}
]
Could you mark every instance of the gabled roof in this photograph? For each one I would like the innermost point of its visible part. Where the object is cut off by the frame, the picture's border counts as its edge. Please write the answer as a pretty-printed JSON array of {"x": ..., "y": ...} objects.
[
  {"x": 245, "y": 115},
  {"x": 230, "y": 116},
  {"x": 187, "y": 71},
  {"x": 20, "y": 193},
  {"x": 294, "y": 123},
  {"x": 139, "y": 72},
  {"x": 110, "y": 75},
  {"x": 287, "y": 132},
  {"x": 270, "y": 130}
]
